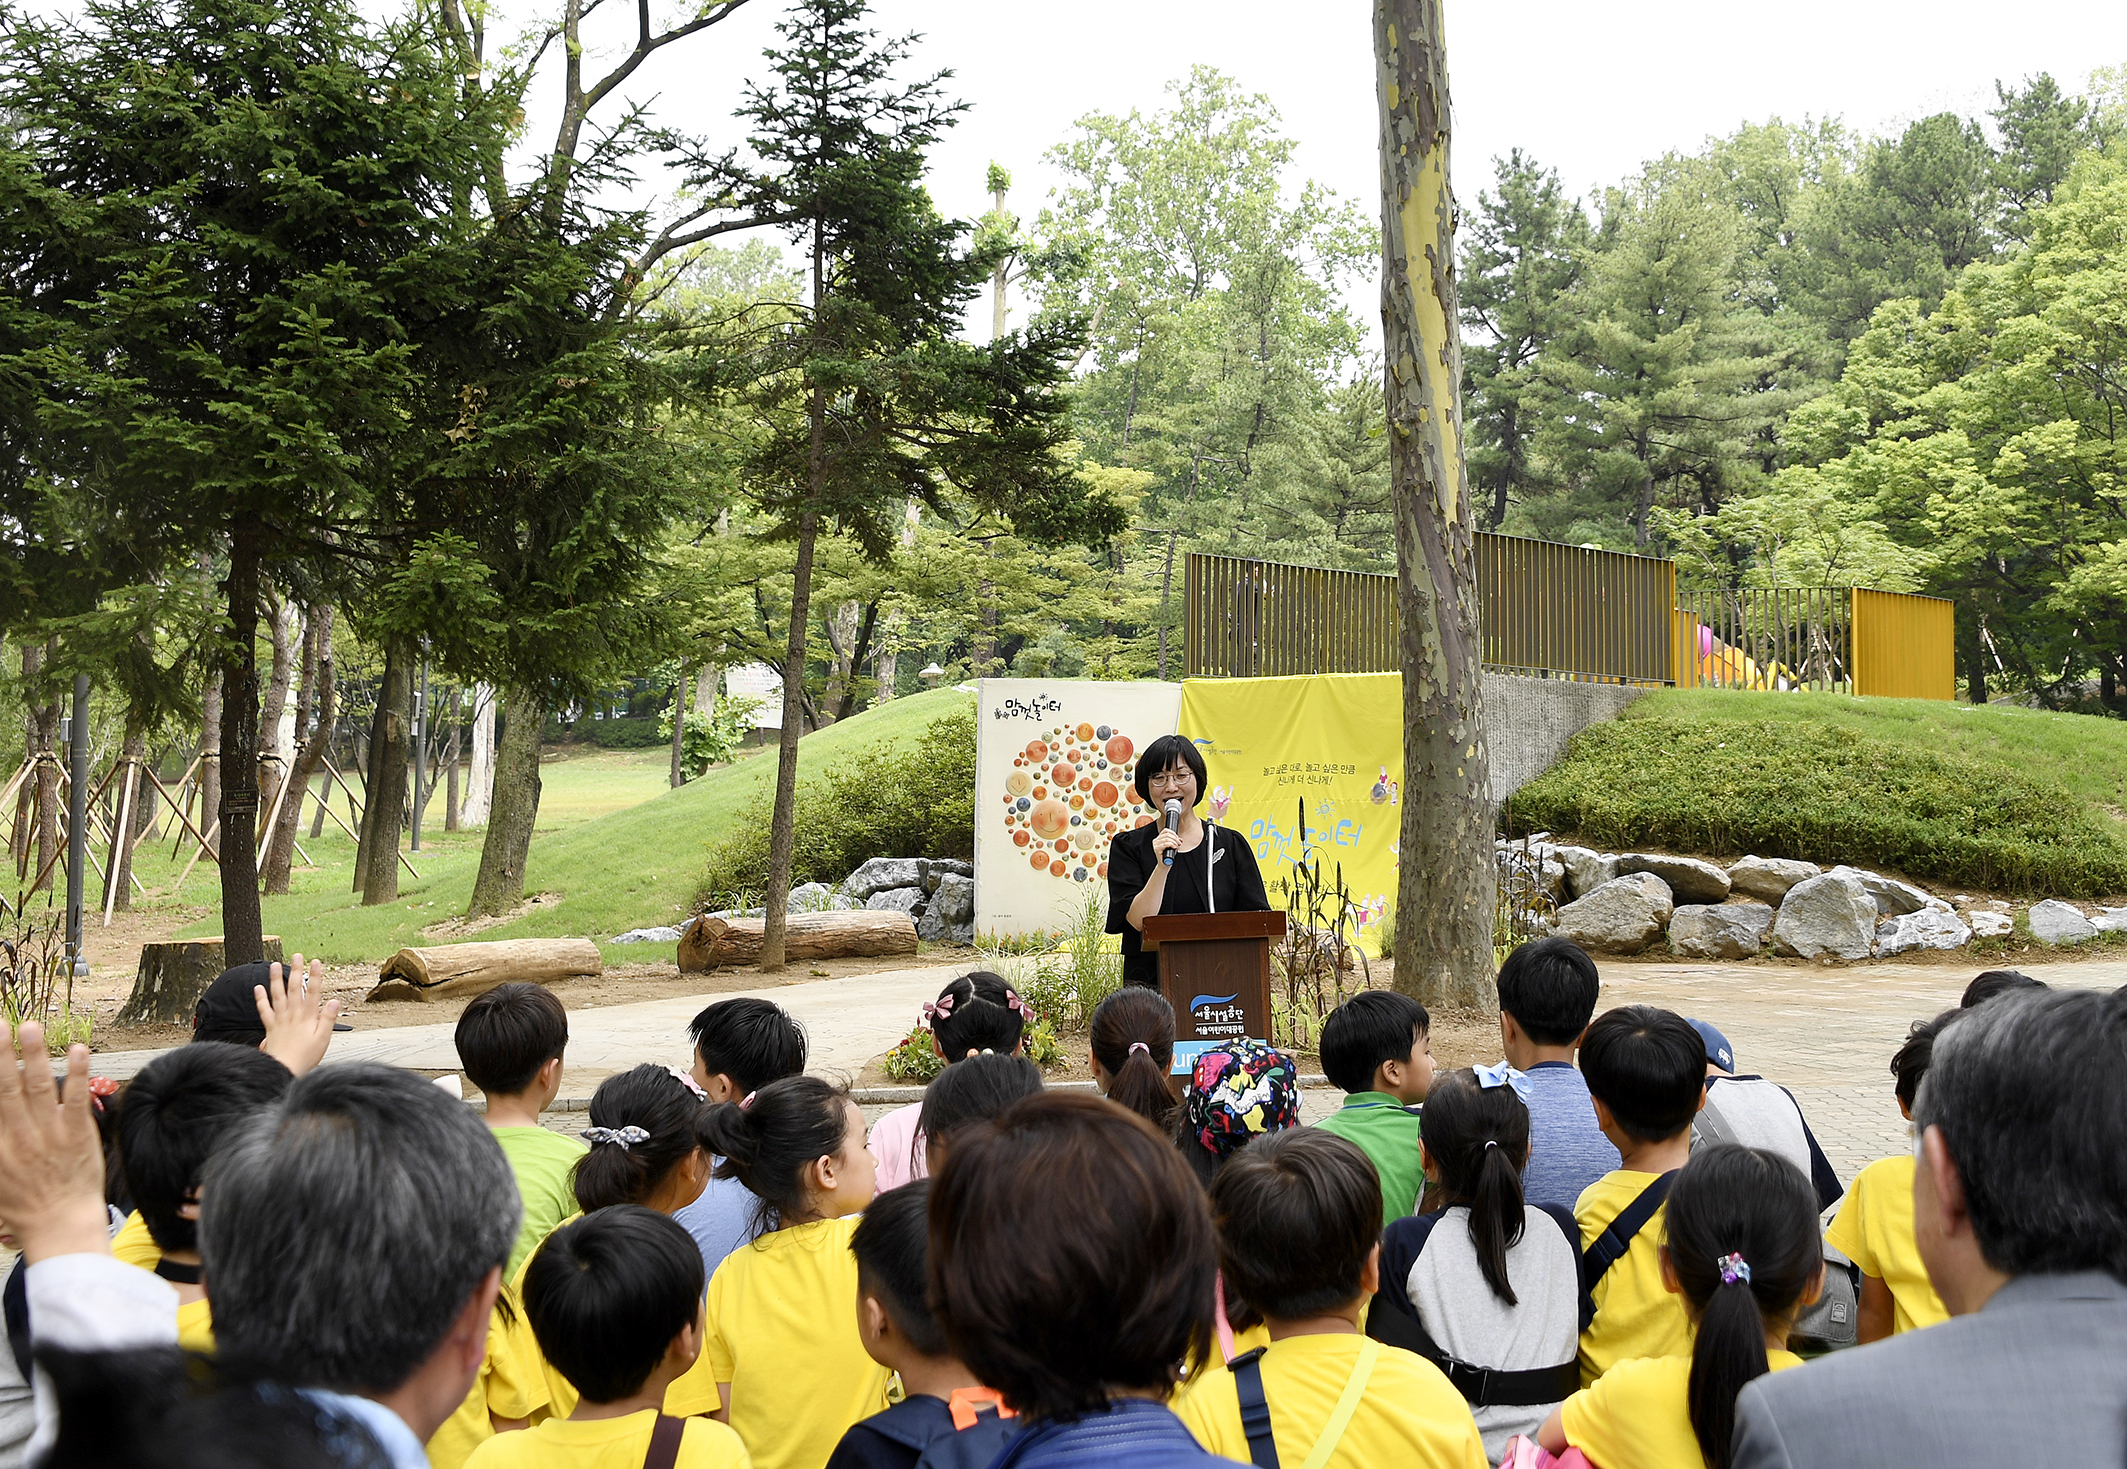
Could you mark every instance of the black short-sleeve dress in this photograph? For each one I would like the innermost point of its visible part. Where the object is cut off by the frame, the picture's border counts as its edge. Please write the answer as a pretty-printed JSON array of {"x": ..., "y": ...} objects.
[{"x": 1220, "y": 876}]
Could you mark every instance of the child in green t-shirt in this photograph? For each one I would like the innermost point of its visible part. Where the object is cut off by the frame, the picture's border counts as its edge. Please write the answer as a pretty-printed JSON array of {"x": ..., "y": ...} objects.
[
  {"x": 510, "y": 1042},
  {"x": 1376, "y": 1049}
]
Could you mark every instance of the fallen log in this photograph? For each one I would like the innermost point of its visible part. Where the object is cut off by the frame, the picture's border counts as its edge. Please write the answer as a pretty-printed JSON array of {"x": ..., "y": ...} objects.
[
  {"x": 460, "y": 971},
  {"x": 710, "y": 942},
  {"x": 172, "y": 976}
]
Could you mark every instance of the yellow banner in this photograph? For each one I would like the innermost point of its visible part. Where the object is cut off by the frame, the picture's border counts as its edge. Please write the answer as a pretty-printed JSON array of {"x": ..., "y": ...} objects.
[{"x": 1334, "y": 742}]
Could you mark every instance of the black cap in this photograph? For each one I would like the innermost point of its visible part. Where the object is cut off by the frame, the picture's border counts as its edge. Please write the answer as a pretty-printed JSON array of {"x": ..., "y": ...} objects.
[{"x": 228, "y": 1011}]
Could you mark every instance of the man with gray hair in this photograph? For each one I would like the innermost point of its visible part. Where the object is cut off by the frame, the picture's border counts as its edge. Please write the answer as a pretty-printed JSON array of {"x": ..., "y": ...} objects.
[
  {"x": 2020, "y": 1213},
  {"x": 354, "y": 1236}
]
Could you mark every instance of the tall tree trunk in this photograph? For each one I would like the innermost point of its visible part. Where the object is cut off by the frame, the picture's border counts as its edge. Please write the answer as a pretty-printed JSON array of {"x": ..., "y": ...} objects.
[
  {"x": 1445, "y": 881},
  {"x": 866, "y": 626},
  {"x": 313, "y": 736},
  {"x": 450, "y": 760},
  {"x": 679, "y": 726},
  {"x": 390, "y": 749},
  {"x": 480, "y": 772},
  {"x": 210, "y": 758},
  {"x": 125, "y": 792},
  {"x": 514, "y": 808},
  {"x": 705, "y": 686},
  {"x": 841, "y": 629},
  {"x": 37, "y": 825},
  {"x": 280, "y": 627},
  {"x": 783, "y": 828},
  {"x": 241, "y": 943}
]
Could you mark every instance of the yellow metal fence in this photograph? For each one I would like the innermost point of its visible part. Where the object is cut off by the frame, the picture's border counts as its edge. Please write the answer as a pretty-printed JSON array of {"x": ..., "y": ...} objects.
[{"x": 1561, "y": 611}]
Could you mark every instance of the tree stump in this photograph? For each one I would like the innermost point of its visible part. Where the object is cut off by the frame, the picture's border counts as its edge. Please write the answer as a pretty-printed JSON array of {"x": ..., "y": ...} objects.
[
  {"x": 173, "y": 975},
  {"x": 460, "y": 971},
  {"x": 710, "y": 942}
]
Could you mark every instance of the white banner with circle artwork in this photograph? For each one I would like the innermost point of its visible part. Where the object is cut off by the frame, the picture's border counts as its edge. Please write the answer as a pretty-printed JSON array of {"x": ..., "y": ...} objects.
[{"x": 1054, "y": 760}]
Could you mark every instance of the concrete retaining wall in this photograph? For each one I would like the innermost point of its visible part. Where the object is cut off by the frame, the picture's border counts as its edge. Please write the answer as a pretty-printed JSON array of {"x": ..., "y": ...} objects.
[{"x": 1529, "y": 720}]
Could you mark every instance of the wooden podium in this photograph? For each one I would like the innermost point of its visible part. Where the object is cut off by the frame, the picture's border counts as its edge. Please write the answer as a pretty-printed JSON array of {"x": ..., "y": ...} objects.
[{"x": 1215, "y": 971}]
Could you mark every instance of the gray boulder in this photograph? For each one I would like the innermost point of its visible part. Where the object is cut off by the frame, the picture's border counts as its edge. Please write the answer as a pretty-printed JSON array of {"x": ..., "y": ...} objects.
[
  {"x": 1891, "y": 896},
  {"x": 1988, "y": 924},
  {"x": 881, "y": 873},
  {"x": 1622, "y": 916},
  {"x": 661, "y": 935},
  {"x": 1826, "y": 917},
  {"x": 1586, "y": 869},
  {"x": 2110, "y": 920},
  {"x": 1690, "y": 879},
  {"x": 898, "y": 900},
  {"x": 2054, "y": 922},
  {"x": 810, "y": 897},
  {"x": 1923, "y": 928},
  {"x": 1769, "y": 878},
  {"x": 949, "y": 917},
  {"x": 1719, "y": 930},
  {"x": 1535, "y": 868}
]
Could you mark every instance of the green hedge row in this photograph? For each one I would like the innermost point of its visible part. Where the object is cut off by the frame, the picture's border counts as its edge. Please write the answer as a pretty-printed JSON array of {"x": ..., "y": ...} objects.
[{"x": 1823, "y": 794}]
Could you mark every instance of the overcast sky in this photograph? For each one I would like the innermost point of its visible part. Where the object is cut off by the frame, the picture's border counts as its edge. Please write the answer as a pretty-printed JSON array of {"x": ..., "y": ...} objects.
[{"x": 1591, "y": 90}]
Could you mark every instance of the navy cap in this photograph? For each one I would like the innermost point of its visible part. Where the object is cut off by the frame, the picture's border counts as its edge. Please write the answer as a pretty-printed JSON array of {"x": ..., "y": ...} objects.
[
  {"x": 1717, "y": 1047},
  {"x": 228, "y": 1011}
]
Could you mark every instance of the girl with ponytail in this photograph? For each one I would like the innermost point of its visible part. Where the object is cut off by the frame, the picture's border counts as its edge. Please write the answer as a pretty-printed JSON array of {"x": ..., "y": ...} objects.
[
  {"x": 1486, "y": 1285},
  {"x": 780, "y": 1339},
  {"x": 1742, "y": 1247},
  {"x": 1132, "y": 1052},
  {"x": 977, "y": 1014}
]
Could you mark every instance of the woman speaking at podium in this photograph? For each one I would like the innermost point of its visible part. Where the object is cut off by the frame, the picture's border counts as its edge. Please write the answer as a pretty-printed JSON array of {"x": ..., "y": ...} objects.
[{"x": 1177, "y": 863}]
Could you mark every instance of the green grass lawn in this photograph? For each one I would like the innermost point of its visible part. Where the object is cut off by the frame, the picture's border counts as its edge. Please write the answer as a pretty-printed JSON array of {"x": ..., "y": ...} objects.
[
  {"x": 616, "y": 848},
  {"x": 2003, "y": 798}
]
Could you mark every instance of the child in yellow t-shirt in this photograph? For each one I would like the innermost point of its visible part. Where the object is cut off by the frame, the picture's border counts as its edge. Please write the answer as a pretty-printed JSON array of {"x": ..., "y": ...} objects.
[
  {"x": 1299, "y": 1227},
  {"x": 781, "y": 1340},
  {"x": 175, "y": 1112},
  {"x": 1874, "y": 1226},
  {"x": 1742, "y": 1254},
  {"x": 614, "y": 1300},
  {"x": 510, "y": 1041},
  {"x": 1646, "y": 1074}
]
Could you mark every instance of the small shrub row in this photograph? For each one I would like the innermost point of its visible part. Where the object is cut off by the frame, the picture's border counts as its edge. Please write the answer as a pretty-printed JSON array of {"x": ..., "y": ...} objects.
[
  {"x": 898, "y": 801},
  {"x": 1821, "y": 793}
]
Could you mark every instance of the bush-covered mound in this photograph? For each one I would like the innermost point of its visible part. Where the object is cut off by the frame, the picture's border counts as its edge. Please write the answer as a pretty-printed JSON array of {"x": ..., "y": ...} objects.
[
  {"x": 1827, "y": 794},
  {"x": 897, "y": 801}
]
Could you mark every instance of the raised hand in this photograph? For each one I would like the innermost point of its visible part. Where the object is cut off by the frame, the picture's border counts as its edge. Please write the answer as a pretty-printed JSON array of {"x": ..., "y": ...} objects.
[
  {"x": 298, "y": 1028},
  {"x": 51, "y": 1166}
]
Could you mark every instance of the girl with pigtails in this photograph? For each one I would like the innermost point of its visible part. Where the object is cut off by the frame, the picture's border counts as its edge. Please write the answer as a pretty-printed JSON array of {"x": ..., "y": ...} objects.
[
  {"x": 1487, "y": 1285},
  {"x": 1742, "y": 1247},
  {"x": 977, "y": 1014}
]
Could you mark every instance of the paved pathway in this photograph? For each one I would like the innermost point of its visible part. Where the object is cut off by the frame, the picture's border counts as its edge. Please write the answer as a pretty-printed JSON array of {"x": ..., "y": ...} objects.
[{"x": 1826, "y": 1034}]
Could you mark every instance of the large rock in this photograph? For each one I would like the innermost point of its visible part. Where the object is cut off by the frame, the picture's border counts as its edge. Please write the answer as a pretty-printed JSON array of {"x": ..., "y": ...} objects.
[
  {"x": 1719, "y": 930},
  {"x": 810, "y": 897},
  {"x": 1923, "y": 928},
  {"x": 1826, "y": 917},
  {"x": 1769, "y": 878},
  {"x": 881, "y": 873},
  {"x": 1536, "y": 867},
  {"x": 1586, "y": 870},
  {"x": 660, "y": 935},
  {"x": 2054, "y": 922},
  {"x": 1891, "y": 896},
  {"x": 898, "y": 900},
  {"x": 1691, "y": 880},
  {"x": 1988, "y": 924},
  {"x": 1622, "y": 916},
  {"x": 949, "y": 917},
  {"x": 2110, "y": 920}
]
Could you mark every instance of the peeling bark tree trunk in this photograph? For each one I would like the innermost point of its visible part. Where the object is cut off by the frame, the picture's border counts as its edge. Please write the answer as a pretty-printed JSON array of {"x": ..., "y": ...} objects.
[
  {"x": 43, "y": 730},
  {"x": 317, "y": 677},
  {"x": 450, "y": 762},
  {"x": 280, "y": 620},
  {"x": 241, "y": 935},
  {"x": 210, "y": 758},
  {"x": 679, "y": 726},
  {"x": 385, "y": 802},
  {"x": 126, "y": 790},
  {"x": 1445, "y": 881},
  {"x": 514, "y": 809},
  {"x": 480, "y": 774}
]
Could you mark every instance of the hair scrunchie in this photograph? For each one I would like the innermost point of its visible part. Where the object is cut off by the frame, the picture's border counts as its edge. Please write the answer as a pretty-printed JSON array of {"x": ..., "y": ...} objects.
[
  {"x": 621, "y": 1137},
  {"x": 1136, "y": 1046}
]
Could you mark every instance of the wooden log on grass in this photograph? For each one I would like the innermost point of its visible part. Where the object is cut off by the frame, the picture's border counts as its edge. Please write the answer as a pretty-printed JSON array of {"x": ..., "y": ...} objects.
[
  {"x": 710, "y": 942},
  {"x": 460, "y": 971},
  {"x": 172, "y": 976}
]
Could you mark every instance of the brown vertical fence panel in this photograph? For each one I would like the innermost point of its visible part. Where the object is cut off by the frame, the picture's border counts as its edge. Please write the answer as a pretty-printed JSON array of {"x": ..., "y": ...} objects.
[{"x": 1904, "y": 646}]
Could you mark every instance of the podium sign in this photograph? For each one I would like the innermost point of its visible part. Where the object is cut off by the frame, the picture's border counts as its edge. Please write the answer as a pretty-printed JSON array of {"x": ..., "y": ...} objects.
[{"x": 1215, "y": 972}]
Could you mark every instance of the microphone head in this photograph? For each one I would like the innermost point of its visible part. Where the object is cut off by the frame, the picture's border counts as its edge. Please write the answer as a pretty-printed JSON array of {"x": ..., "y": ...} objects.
[{"x": 1174, "y": 806}]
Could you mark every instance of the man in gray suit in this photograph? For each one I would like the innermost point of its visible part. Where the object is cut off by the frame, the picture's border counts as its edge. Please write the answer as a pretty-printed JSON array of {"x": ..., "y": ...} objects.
[{"x": 2020, "y": 1212}]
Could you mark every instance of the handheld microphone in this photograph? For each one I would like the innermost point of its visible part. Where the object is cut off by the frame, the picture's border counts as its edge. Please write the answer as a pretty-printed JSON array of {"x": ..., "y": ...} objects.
[{"x": 1174, "y": 823}]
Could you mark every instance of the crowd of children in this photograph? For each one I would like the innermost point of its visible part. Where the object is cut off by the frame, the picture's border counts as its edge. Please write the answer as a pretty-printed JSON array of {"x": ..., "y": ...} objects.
[{"x": 727, "y": 1268}]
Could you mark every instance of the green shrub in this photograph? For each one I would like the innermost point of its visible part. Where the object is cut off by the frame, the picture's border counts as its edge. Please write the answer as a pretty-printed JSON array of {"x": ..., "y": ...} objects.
[
  {"x": 710, "y": 739},
  {"x": 623, "y": 734},
  {"x": 910, "y": 801},
  {"x": 1823, "y": 793},
  {"x": 915, "y": 1060}
]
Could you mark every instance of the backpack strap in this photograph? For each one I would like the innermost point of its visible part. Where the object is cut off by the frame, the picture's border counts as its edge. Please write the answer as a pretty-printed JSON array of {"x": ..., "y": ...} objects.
[
  {"x": 663, "y": 1452},
  {"x": 1247, "y": 1372},
  {"x": 1610, "y": 1246},
  {"x": 1340, "y": 1417},
  {"x": 1481, "y": 1387}
]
